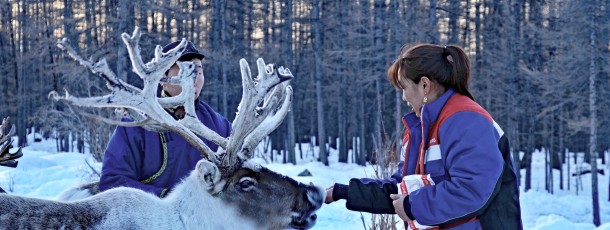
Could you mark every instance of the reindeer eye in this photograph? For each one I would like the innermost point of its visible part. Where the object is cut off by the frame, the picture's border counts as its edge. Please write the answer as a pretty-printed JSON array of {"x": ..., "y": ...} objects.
[{"x": 247, "y": 183}]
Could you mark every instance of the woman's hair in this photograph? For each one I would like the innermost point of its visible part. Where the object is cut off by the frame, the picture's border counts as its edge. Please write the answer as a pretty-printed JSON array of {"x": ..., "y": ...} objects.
[{"x": 446, "y": 65}]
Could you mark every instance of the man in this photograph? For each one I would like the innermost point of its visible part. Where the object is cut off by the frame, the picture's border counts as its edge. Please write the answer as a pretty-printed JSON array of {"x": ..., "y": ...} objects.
[{"x": 156, "y": 162}]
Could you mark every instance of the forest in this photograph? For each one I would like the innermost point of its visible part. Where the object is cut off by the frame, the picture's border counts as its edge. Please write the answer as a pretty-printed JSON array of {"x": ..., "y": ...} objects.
[{"x": 541, "y": 68}]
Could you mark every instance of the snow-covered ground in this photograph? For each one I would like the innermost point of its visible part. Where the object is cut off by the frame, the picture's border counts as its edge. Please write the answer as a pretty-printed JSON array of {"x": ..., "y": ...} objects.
[{"x": 44, "y": 173}]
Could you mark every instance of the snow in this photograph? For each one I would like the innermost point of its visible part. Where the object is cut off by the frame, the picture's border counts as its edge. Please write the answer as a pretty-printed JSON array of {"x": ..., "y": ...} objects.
[{"x": 44, "y": 173}]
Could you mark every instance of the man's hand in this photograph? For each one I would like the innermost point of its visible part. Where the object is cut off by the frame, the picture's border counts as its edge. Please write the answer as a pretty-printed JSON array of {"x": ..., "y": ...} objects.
[
  {"x": 329, "y": 195},
  {"x": 399, "y": 208}
]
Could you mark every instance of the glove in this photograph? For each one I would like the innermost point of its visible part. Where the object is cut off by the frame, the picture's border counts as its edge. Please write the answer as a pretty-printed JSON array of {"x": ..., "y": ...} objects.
[{"x": 413, "y": 183}]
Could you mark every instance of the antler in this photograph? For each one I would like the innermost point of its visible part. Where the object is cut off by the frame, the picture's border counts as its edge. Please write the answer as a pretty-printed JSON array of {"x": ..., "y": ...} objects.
[
  {"x": 265, "y": 100},
  {"x": 143, "y": 104},
  {"x": 264, "y": 103},
  {"x": 7, "y": 158}
]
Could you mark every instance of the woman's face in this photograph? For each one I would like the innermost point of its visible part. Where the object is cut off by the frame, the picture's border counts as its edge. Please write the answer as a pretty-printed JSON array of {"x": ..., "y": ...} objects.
[
  {"x": 176, "y": 89},
  {"x": 412, "y": 93}
]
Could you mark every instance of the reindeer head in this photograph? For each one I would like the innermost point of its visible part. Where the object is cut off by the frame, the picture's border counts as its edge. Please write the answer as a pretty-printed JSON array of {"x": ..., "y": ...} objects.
[
  {"x": 6, "y": 158},
  {"x": 273, "y": 200},
  {"x": 266, "y": 197}
]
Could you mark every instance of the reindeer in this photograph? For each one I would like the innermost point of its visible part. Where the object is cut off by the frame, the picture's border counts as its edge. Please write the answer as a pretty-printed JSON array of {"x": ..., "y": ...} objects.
[
  {"x": 225, "y": 191},
  {"x": 6, "y": 158}
]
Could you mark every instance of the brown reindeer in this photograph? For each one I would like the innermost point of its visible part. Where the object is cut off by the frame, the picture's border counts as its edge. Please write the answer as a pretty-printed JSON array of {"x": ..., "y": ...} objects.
[
  {"x": 225, "y": 191},
  {"x": 6, "y": 158}
]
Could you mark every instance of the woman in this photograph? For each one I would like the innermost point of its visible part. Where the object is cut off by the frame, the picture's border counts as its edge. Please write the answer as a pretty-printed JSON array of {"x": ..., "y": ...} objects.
[{"x": 456, "y": 171}]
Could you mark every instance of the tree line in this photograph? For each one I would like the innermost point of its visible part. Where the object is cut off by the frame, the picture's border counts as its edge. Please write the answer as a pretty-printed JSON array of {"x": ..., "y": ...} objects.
[{"x": 539, "y": 67}]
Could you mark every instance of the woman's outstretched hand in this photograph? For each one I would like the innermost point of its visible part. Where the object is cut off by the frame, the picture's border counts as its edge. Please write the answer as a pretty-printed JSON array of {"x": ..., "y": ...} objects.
[
  {"x": 399, "y": 208},
  {"x": 329, "y": 195}
]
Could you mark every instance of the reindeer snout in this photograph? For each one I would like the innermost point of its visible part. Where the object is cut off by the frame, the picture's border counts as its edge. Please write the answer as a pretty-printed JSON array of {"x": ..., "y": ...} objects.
[
  {"x": 313, "y": 198},
  {"x": 304, "y": 222}
]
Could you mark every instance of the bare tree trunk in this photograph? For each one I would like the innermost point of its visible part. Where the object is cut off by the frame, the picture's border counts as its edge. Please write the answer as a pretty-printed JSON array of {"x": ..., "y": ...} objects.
[
  {"x": 552, "y": 154},
  {"x": 63, "y": 142},
  {"x": 343, "y": 86},
  {"x": 216, "y": 48},
  {"x": 22, "y": 112},
  {"x": 180, "y": 23},
  {"x": 250, "y": 27},
  {"x": 143, "y": 15},
  {"x": 479, "y": 54},
  {"x": 593, "y": 118},
  {"x": 95, "y": 23},
  {"x": 291, "y": 151},
  {"x": 4, "y": 81},
  {"x": 80, "y": 142},
  {"x": 224, "y": 100},
  {"x": 342, "y": 120},
  {"x": 547, "y": 165},
  {"x": 513, "y": 118},
  {"x": 167, "y": 19},
  {"x": 287, "y": 50},
  {"x": 47, "y": 35},
  {"x": 126, "y": 21},
  {"x": 467, "y": 31},
  {"x": 561, "y": 151},
  {"x": 398, "y": 126},
  {"x": 454, "y": 13},
  {"x": 89, "y": 11},
  {"x": 528, "y": 158},
  {"x": 396, "y": 34},
  {"x": 365, "y": 151},
  {"x": 568, "y": 166},
  {"x": 317, "y": 36},
  {"x": 433, "y": 32},
  {"x": 379, "y": 44},
  {"x": 361, "y": 157}
]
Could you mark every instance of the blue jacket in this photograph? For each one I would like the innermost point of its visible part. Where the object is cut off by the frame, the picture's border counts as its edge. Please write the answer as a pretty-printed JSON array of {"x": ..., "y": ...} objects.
[
  {"x": 134, "y": 155},
  {"x": 471, "y": 168}
]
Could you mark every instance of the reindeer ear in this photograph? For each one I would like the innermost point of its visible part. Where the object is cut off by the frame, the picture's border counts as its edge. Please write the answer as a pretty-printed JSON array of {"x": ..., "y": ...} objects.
[{"x": 207, "y": 173}]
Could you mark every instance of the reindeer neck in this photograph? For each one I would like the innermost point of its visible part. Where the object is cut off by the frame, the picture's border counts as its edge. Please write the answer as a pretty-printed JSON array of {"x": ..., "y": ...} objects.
[{"x": 197, "y": 207}]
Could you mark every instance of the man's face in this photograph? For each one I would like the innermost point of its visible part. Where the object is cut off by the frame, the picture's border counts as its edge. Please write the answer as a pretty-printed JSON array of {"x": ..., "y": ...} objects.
[{"x": 174, "y": 90}]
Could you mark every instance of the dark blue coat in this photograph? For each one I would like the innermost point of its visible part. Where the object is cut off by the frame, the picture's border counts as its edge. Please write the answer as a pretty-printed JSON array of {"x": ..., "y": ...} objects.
[{"x": 135, "y": 154}]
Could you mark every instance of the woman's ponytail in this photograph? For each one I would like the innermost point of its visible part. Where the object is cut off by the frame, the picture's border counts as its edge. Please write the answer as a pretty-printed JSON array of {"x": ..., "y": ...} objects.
[{"x": 460, "y": 69}]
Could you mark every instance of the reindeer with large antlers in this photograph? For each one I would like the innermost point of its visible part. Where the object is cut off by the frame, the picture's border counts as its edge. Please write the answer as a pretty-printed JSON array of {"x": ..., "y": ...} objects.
[
  {"x": 225, "y": 191},
  {"x": 7, "y": 158}
]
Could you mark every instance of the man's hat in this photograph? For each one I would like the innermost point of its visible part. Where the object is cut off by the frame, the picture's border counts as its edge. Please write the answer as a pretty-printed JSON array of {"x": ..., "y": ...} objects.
[{"x": 189, "y": 52}]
